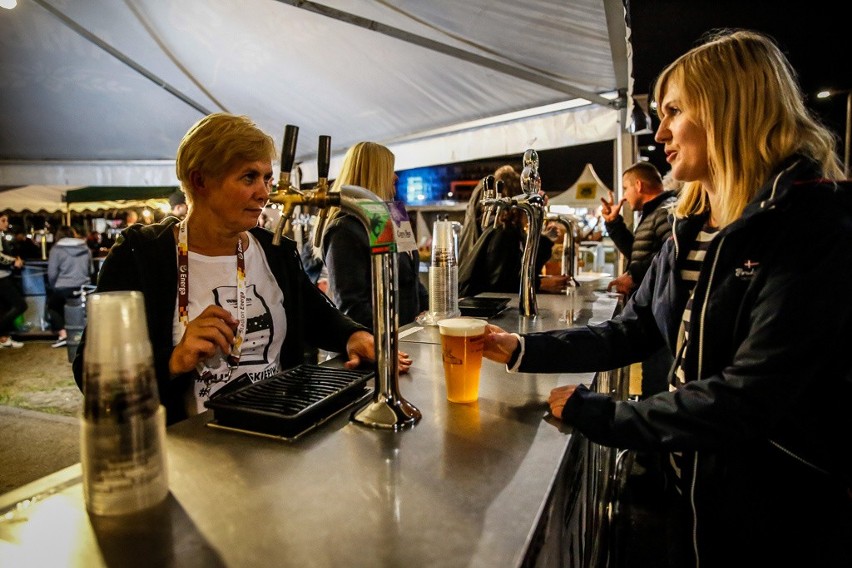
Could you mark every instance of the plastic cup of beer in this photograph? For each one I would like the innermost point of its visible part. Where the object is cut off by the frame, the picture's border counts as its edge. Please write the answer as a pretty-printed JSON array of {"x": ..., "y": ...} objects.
[{"x": 462, "y": 341}]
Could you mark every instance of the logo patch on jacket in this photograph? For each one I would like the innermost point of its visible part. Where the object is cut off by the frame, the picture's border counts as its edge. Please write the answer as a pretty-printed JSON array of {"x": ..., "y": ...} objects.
[{"x": 747, "y": 271}]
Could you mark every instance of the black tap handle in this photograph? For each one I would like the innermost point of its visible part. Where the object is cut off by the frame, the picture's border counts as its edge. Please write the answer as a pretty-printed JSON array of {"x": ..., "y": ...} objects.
[
  {"x": 288, "y": 147},
  {"x": 489, "y": 183},
  {"x": 500, "y": 184},
  {"x": 324, "y": 156}
]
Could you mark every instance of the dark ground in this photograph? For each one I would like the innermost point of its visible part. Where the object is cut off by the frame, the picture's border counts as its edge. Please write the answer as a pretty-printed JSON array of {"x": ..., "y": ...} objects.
[{"x": 39, "y": 409}]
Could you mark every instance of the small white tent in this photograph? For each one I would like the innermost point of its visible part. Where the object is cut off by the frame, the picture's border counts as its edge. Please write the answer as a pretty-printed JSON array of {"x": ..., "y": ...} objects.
[{"x": 586, "y": 192}]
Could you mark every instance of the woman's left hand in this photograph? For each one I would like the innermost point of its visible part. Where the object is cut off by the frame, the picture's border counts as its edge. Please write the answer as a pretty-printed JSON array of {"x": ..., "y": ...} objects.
[
  {"x": 362, "y": 347},
  {"x": 558, "y": 397}
]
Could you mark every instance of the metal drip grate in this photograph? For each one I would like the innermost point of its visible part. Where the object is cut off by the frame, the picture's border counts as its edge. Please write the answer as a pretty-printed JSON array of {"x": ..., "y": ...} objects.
[{"x": 292, "y": 402}]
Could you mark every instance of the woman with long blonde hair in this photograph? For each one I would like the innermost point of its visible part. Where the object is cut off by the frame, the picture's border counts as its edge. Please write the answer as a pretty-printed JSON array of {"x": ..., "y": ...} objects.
[
  {"x": 755, "y": 425},
  {"x": 345, "y": 245}
]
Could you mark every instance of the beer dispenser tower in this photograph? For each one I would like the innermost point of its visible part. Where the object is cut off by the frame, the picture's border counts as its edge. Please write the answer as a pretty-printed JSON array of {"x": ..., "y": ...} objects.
[
  {"x": 532, "y": 204},
  {"x": 387, "y": 409}
]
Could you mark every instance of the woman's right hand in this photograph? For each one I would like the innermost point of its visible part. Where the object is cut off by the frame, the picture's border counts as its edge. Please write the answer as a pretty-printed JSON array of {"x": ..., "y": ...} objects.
[
  {"x": 215, "y": 328},
  {"x": 499, "y": 345}
]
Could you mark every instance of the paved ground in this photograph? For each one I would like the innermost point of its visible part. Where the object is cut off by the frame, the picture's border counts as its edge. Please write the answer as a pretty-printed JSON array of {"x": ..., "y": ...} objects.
[{"x": 39, "y": 409}]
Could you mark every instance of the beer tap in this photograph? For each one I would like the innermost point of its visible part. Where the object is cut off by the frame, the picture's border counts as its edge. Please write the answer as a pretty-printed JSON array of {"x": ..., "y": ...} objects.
[
  {"x": 532, "y": 204},
  {"x": 488, "y": 193},
  {"x": 569, "y": 256},
  {"x": 289, "y": 196},
  {"x": 387, "y": 409}
]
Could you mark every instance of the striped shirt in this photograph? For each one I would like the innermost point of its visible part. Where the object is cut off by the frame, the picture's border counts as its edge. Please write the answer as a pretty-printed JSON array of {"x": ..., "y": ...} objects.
[{"x": 689, "y": 273}]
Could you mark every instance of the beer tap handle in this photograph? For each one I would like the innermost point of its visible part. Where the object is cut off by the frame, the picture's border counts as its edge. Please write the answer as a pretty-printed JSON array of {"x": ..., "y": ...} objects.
[
  {"x": 323, "y": 157},
  {"x": 288, "y": 155},
  {"x": 488, "y": 192},
  {"x": 323, "y": 163},
  {"x": 531, "y": 159},
  {"x": 530, "y": 180},
  {"x": 498, "y": 192}
]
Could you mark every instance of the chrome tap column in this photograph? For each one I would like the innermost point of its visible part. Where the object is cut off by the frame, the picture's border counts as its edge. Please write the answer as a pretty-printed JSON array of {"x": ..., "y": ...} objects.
[
  {"x": 569, "y": 256},
  {"x": 532, "y": 204},
  {"x": 388, "y": 409}
]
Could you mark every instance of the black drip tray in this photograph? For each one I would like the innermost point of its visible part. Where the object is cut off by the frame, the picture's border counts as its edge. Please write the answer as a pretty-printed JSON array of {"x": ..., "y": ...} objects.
[
  {"x": 292, "y": 402},
  {"x": 482, "y": 307}
]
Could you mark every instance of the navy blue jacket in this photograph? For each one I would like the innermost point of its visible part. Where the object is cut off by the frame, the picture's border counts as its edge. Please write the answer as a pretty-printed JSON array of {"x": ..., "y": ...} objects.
[
  {"x": 346, "y": 253},
  {"x": 764, "y": 420}
]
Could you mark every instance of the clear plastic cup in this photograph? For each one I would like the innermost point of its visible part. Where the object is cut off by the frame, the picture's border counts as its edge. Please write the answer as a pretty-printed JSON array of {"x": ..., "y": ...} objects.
[
  {"x": 462, "y": 342},
  {"x": 123, "y": 426}
]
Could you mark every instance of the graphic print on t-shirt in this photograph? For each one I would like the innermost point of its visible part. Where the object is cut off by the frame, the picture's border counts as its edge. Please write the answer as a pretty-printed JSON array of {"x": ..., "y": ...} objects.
[{"x": 260, "y": 329}]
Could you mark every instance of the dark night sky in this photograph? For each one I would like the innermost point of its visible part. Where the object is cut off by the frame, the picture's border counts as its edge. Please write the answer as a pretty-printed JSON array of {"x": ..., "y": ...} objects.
[{"x": 814, "y": 35}]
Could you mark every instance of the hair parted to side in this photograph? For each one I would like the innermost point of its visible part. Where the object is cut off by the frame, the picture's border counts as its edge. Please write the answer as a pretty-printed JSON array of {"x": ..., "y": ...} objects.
[
  {"x": 215, "y": 143},
  {"x": 742, "y": 89}
]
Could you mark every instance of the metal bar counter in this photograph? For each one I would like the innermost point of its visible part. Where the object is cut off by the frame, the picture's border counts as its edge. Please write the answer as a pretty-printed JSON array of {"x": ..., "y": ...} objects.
[{"x": 469, "y": 485}]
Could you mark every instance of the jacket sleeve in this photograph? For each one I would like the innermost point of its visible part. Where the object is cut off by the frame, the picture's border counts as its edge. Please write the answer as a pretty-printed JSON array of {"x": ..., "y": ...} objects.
[
  {"x": 52, "y": 267},
  {"x": 649, "y": 239},
  {"x": 347, "y": 258},
  {"x": 785, "y": 380},
  {"x": 325, "y": 326},
  {"x": 621, "y": 236},
  {"x": 629, "y": 337}
]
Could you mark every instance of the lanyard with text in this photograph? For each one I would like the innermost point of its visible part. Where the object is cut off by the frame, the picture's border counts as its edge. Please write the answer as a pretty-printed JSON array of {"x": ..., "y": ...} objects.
[{"x": 183, "y": 297}]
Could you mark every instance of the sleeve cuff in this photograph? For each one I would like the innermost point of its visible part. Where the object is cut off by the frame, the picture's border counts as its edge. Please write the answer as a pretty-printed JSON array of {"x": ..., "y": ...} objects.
[{"x": 518, "y": 356}]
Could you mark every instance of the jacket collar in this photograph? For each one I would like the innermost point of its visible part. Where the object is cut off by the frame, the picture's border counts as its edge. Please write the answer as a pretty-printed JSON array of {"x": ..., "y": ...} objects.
[{"x": 780, "y": 187}]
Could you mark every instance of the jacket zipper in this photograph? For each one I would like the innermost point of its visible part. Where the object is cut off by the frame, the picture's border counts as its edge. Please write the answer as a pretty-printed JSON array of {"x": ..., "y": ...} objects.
[
  {"x": 699, "y": 375},
  {"x": 699, "y": 372},
  {"x": 799, "y": 458}
]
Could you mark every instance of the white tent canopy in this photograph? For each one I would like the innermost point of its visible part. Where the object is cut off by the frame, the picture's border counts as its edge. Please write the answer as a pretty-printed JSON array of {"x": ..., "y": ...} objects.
[
  {"x": 52, "y": 199},
  {"x": 101, "y": 92}
]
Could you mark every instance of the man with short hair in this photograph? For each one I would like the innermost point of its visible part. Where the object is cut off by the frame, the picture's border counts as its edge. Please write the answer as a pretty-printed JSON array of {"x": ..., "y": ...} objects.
[{"x": 644, "y": 191}]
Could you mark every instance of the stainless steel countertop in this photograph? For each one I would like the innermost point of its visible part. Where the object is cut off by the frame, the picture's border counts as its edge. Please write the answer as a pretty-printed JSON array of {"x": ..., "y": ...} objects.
[
  {"x": 588, "y": 308},
  {"x": 466, "y": 486}
]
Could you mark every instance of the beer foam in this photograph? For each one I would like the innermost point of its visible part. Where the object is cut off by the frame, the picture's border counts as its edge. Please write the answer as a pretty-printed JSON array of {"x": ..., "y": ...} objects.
[{"x": 462, "y": 327}]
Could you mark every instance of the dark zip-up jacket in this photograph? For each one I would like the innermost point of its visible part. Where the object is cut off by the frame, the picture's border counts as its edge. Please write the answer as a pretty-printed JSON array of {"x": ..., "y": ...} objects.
[
  {"x": 765, "y": 419},
  {"x": 652, "y": 230},
  {"x": 145, "y": 259},
  {"x": 346, "y": 254}
]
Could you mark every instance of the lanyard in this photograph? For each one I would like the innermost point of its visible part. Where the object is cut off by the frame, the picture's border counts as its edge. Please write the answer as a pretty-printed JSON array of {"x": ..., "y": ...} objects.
[{"x": 183, "y": 298}]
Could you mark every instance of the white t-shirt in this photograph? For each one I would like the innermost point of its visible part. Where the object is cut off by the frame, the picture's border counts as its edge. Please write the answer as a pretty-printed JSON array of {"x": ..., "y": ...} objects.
[{"x": 213, "y": 280}]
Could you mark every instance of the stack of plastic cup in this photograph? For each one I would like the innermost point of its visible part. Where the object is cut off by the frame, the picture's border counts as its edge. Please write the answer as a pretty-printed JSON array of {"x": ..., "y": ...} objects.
[
  {"x": 444, "y": 273},
  {"x": 123, "y": 427}
]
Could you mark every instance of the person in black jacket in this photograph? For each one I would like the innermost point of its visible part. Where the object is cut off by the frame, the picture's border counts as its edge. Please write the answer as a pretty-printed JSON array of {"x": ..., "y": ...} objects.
[
  {"x": 757, "y": 420},
  {"x": 345, "y": 245},
  {"x": 243, "y": 309},
  {"x": 490, "y": 258},
  {"x": 643, "y": 191}
]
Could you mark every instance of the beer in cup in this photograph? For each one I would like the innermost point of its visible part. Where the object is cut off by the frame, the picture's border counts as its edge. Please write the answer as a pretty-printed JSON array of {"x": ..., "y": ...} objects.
[{"x": 462, "y": 341}]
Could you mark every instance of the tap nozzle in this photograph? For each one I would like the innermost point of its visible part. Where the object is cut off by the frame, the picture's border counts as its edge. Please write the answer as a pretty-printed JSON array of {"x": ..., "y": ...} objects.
[{"x": 488, "y": 193}]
